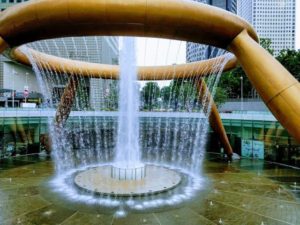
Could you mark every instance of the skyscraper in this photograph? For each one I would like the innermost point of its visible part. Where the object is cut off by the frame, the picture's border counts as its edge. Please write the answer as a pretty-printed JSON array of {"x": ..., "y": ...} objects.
[
  {"x": 229, "y": 5},
  {"x": 274, "y": 20},
  {"x": 196, "y": 52}
]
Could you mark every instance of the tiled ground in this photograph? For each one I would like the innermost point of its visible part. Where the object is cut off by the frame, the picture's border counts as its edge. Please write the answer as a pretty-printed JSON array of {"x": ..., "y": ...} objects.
[{"x": 245, "y": 192}]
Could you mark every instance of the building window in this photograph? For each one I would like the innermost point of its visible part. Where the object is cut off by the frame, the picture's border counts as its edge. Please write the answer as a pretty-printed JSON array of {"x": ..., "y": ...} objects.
[
  {"x": 3, "y": 1},
  {"x": 11, "y": 1},
  {"x": 19, "y": 0}
]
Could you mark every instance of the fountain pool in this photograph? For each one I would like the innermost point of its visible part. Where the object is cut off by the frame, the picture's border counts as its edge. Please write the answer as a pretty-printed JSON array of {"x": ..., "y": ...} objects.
[
  {"x": 112, "y": 171},
  {"x": 244, "y": 192}
]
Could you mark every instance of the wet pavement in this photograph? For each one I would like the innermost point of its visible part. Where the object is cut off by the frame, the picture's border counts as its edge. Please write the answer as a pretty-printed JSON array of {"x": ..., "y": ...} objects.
[{"x": 244, "y": 192}]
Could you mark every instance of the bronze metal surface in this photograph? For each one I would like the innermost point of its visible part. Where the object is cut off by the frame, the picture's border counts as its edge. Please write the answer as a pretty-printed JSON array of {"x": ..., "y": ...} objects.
[
  {"x": 3, "y": 45},
  {"x": 276, "y": 86},
  {"x": 95, "y": 70},
  {"x": 172, "y": 19},
  {"x": 65, "y": 105},
  {"x": 214, "y": 116}
]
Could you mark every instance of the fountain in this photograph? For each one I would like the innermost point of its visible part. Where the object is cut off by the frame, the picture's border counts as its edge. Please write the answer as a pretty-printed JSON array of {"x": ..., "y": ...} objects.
[
  {"x": 128, "y": 165},
  {"x": 101, "y": 160},
  {"x": 126, "y": 173},
  {"x": 127, "y": 149},
  {"x": 95, "y": 168}
]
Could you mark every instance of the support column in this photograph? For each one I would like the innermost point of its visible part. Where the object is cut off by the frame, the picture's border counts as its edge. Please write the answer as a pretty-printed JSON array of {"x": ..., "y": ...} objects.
[
  {"x": 65, "y": 106},
  {"x": 214, "y": 117},
  {"x": 3, "y": 45},
  {"x": 277, "y": 87}
]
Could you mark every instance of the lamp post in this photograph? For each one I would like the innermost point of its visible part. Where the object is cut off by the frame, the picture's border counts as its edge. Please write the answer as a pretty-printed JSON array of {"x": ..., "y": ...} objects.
[
  {"x": 13, "y": 89},
  {"x": 242, "y": 94},
  {"x": 26, "y": 89},
  {"x": 242, "y": 107}
]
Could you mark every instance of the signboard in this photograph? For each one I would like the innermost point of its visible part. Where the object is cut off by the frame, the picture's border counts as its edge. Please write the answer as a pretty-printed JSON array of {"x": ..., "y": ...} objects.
[
  {"x": 253, "y": 149},
  {"x": 26, "y": 92},
  {"x": 258, "y": 149},
  {"x": 7, "y": 94},
  {"x": 28, "y": 105}
]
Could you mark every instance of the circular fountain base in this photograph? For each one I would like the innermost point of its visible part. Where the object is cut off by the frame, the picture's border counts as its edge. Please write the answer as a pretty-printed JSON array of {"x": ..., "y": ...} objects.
[{"x": 99, "y": 180}]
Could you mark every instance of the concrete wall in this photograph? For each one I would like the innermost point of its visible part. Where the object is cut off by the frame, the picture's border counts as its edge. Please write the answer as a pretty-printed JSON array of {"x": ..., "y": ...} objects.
[
  {"x": 246, "y": 105},
  {"x": 99, "y": 88},
  {"x": 16, "y": 77}
]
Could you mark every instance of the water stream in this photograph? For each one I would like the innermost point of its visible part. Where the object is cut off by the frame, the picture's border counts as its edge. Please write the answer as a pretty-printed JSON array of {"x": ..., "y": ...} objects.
[
  {"x": 127, "y": 148},
  {"x": 127, "y": 138}
]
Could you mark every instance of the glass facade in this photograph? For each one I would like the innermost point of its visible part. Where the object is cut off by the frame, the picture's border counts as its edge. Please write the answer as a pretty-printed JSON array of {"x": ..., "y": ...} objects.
[
  {"x": 21, "y": 136},
  {"x": 197, "y": 52},
  {"x": 275, "y": 143},
  {"x": 262, "y": 139},
  {"x": 275, "y": 20}
]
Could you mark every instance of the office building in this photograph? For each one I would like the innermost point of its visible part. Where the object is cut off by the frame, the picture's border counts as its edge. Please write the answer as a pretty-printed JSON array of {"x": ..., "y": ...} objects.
[
  {"x": 91, "y": 49},
  {"x": 274, "y": 20},
  {"x": 196, "y": 52}
]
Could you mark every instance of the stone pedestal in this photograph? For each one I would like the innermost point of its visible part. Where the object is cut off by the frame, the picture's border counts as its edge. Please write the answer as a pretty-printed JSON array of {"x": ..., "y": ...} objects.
[{"x": 137, "y": 172}]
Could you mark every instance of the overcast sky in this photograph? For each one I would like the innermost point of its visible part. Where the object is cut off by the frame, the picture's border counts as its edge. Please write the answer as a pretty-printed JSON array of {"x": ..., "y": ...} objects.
[{"x": 154, "y": 51}]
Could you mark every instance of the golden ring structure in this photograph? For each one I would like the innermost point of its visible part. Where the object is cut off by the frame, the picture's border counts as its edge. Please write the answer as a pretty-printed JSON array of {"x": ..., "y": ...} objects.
[
  {"x": 172, "y": 19},
  {"x": 72, "y": 67},
  {"x": 104, "y": 71}
]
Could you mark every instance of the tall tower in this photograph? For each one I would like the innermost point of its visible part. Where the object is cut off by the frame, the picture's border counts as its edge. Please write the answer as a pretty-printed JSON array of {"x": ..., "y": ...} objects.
[
  {"x": 229, "y": 5},
  {"x": 196, "y": 52},
  {"x": 274, "y": 20},
  {"x": 244, "y": 9}
]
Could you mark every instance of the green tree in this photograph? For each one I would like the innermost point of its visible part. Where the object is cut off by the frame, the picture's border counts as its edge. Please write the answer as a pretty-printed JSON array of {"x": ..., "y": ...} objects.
[
  {"x": 183, "y": 94},
  {"x": 290, "y": 59},
  {"x": 150, "y": 95},
  {"x": 220, "y": 96},
  {"x": 266, "y": 43},
  {"x": 188, "y": 95},
  {"x": 175, "y": 93},
  {"x": 113, "y": 96},
  {"x": 165, "y": 94},
  {"x": 231, "y": 81}
]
